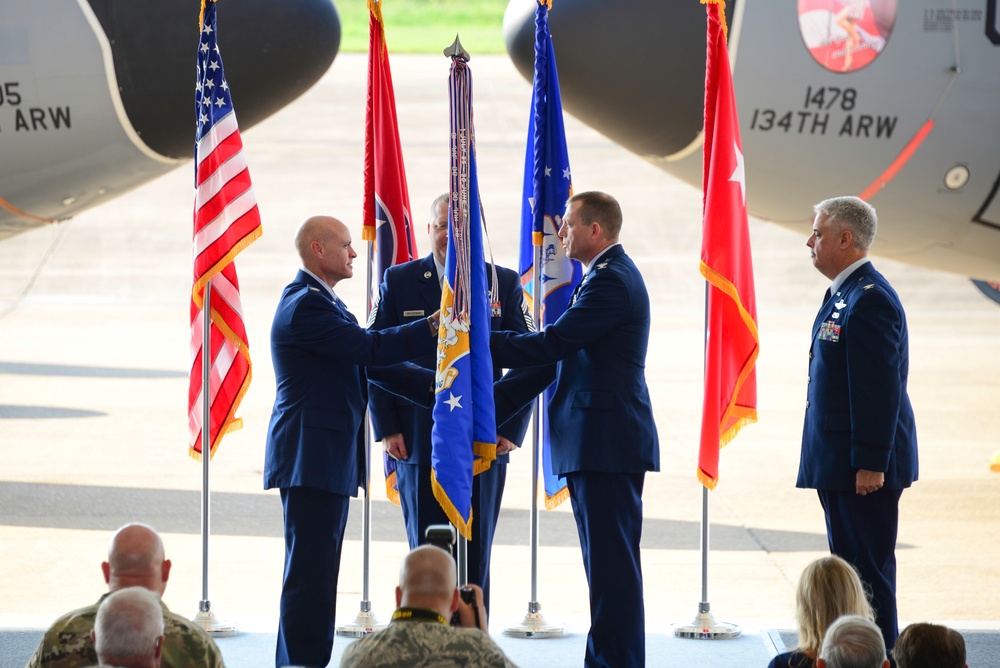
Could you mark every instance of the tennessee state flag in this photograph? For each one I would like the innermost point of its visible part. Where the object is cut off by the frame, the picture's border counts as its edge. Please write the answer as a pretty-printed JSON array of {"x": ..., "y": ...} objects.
[
  {"x": 463, "y": 437},
  {"x": 731, "y": 339},
  {"x": 386, "y": 215},
  {"x": 547, "y": 186}
]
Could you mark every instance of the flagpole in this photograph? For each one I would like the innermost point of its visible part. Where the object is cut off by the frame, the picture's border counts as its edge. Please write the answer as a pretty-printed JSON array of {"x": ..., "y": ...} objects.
[
  {"x": 206, "y": 618},
  {"x": 534, "y": 624},
  {"x": 705, "y": 626},
  {"x": 462, "y": 560},
  {"x": 455, "y": 52},
  {"x": 365, "y": 622}
]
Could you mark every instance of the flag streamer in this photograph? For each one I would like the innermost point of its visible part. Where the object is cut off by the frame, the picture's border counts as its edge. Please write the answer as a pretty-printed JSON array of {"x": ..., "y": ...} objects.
[
  {"x": 732, "y": 341},
  {"x": 463, "y": 436},
  {"x": 226, "y": 221}
]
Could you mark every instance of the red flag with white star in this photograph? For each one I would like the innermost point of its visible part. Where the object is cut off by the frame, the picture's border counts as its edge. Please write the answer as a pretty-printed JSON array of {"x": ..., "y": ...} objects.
[{"x": 731, "y": 337}]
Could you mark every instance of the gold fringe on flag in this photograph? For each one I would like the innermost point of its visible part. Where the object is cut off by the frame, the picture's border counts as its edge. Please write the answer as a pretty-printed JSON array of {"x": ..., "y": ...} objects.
[
  {"x": 390, "y": 489},
  {"x": 740, "y": 416},
  {"x": 721, "y": 4},
  {"x": 553, "y": 501},
  {"x": 454, "y": 516},
  {"x": 375, "y": 7},
  {"x": 486, "y": 453}
]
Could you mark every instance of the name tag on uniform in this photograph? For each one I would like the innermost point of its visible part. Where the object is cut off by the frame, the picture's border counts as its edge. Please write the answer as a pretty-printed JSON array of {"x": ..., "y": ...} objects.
[
  {"x": 413, "y": 314},
  {"x": 829, "y": 331}
]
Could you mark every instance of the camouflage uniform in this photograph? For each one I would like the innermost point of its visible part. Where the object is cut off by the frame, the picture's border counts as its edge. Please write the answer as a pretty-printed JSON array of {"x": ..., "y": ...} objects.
[
  {"x": 420, "y": 644},
  {"x": 67, "y": 643}
]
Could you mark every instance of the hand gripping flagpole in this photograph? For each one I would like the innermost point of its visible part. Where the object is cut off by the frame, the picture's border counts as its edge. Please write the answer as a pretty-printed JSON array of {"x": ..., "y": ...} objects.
[
  {"x": 534, "y": 624},
  {"x": 365, "y": 622},
  {"x": 206, "y": 618}
]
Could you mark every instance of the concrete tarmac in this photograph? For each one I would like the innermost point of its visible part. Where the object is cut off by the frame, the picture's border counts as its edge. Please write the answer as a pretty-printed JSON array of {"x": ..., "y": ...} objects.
[{"x": 94, "y": 364}]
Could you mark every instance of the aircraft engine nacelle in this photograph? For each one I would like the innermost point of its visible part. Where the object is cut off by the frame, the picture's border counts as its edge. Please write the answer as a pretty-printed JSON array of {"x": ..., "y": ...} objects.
[
  {"x": 97, "y": 97},
  {"x": 831, "y": 93}
]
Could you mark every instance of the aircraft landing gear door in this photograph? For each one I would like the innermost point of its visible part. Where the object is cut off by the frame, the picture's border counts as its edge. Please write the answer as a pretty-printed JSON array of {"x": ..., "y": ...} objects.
[
  {"x": 989, "y": 215},
  {"x": 993, "y": 21}
]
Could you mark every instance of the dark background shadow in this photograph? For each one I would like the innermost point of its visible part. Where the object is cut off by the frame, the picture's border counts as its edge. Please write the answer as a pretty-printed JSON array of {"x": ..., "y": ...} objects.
[{"x": 234, "y": 514}]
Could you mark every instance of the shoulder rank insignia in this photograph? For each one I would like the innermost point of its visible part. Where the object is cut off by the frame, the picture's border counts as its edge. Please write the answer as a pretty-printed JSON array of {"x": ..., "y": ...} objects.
[
  {"x": 313, "y": 289},
  {"x": 602, "y": 265},
  {"x": 868, "y": 287}
]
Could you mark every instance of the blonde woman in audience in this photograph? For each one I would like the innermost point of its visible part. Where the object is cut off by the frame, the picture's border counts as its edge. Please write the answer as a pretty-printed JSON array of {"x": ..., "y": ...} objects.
[{"x": 828, "y": 588}]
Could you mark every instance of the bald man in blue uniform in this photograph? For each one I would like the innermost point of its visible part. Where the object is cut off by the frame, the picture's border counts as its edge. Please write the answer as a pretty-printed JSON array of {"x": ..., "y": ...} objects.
[
  {"x": 315, "y": 449},
  {"x": 603, "y": 436},
  {"x": 859, "y": 440}
]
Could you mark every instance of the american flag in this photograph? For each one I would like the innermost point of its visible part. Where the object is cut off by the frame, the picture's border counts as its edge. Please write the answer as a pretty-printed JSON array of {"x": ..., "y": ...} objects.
[{"x": 226, "y": 221}]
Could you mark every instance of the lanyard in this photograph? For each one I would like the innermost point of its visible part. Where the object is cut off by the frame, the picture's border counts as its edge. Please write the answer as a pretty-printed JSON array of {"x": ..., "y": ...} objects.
[{"x": 417, "y": 615}]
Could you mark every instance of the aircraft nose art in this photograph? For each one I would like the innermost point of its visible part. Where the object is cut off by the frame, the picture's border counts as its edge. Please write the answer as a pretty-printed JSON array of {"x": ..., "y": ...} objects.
[
  {"x": 273, "y": 52},
  {"x": 640, "y": 60}
]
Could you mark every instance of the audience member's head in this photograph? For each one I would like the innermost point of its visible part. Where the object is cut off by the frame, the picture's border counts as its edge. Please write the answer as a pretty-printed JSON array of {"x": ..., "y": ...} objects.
[
  {"x": 828, "y": 588},
  {"x": 924, "y": 645},
  {"x": 853, "y": 641},
  {"x": 136, "y": 559},
  {"x": 128, "y": 631},
  {"x": 427, "y": 580}
]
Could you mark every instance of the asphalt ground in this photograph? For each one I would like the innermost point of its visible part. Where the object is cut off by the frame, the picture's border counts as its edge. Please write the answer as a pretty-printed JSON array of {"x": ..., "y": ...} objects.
[{"x": 94, "y": 366}]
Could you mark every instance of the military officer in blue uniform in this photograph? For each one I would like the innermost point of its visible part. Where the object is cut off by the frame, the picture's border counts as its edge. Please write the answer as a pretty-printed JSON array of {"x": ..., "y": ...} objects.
[
  {"x": 409, "y": 291},
  {"x": 859, "y": 440},
  {"x": 315, "y": 449},
  {"x": 603, "y": 437}
]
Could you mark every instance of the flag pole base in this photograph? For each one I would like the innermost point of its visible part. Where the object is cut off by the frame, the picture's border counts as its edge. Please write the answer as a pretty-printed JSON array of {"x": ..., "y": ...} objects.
[
  {"x": 211, "y": 624},
  {"x": 363, "y": 624},
  {"x": 706, "y": 627},
  {"x": 534, "y": 625}
]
